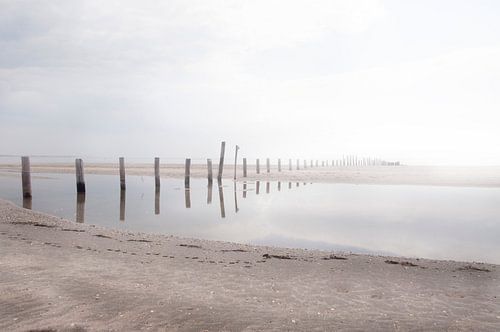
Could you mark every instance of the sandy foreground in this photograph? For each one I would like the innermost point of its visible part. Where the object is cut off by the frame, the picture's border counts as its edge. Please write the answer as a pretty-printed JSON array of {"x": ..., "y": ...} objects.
[
  {"x": 412, "y": 175},
  {"x": 59, "y": 275}
]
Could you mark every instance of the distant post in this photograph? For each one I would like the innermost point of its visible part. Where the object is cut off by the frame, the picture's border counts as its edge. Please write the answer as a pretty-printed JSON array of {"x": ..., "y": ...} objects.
[
  {"x": 209, "y": 168},
  {"x": 187, "y": 173},
  {"x": 122, "y": 173},
  {"x": 305, "y": 164},
  {"x": 26, "y": 176},
  {"x": 235, "y": 160},
  {"x": 257, "y": 166},
  {"x": 289, "y": 164},
  {"x": 80, "y": 181},
  {"x": 312, "y": 164},
  {"x": 221, "y": 161},
  {"x": 298, "y": 166},
  {"x": 244, "y": 167},
  {"x": 279, "y": 165},
  {"x": 268, "y": 165},
  {"x": 157, "y": 172}
]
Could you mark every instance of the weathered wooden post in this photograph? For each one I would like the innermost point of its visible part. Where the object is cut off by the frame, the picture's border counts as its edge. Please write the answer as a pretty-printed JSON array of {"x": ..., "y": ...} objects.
[
  {"x": 122, "y": 173},
  {"x": 244, "y": 167},
  {"x": 187, "y": 197},
  {"x": 289, "y": 164},
  {"x": 279, "y": 165},
  {"x": 27, "y": 203},
  {"x": 187, "y": 173},
  {"x": 209, "y": 168},
  {"x": 268, "y": 165},
  {"x": 298, "y": 166},
  {"x": 26, "y": 176},
  {"x": 257, "y": 166},
  {"x": 80, "y": 181},
  {"x": 157, "y": 172},
  {"x": 235, "y": 160},
  {"x": 221, "y": 161}
]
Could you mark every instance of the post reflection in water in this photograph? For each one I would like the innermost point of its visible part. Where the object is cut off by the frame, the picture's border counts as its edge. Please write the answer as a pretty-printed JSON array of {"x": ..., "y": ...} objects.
[
  {"x": 279, "y": 186},
  {"x": 297, "y": 184},
  {"x": 235, "y": 199},
  {"x": 80, "y": 207},
  {"x": 267, "y": 187},
  {"x": 209, "y": 192},
  {"x": 187, "y": 197},
  {"x": 221, "y": 200},
  {"x": 244, "y": 190},
  {"x": 289, "y": 185},
  {"x": 157, "y": 200},
  {"x": 122, "y": 205},
  {"x": 27, "y": 202},
  {"x": 257, "y": 187}
]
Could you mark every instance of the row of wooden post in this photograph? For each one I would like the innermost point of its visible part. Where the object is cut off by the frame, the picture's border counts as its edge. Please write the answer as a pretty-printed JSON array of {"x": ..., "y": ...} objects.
[{"x": 80, "y": 180}]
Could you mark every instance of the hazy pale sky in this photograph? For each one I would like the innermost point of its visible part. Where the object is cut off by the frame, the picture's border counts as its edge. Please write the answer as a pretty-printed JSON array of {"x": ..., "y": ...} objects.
[{"x": 416, "y": 81}]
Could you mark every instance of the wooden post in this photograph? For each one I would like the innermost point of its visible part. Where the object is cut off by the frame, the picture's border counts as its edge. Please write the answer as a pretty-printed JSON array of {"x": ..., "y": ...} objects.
[
  {"x": 221, "y": 161},
  {"x": 268, "y": 165},
  {"x": 209, "y": 168},
  {"x": 289, "y": 164},
  {"x": 279, "y": 165},
  {"x": 244, "y": 167},
  {"x": 157, "y": 172},
  {"x": 27, "y": 203},
  {"x": 80, "y": 181},
  {"x": 257, "y": 166},
  {"x": 235, "y": 198},
  {"x": 122, "y": 174},
  {"x": 187, "y": 173},
  {"x": 298, "y": 167},
  {"x": 26, "y": 176},
  {"x": 235, "y": 160},
  {"x": 244, "y": 190}
]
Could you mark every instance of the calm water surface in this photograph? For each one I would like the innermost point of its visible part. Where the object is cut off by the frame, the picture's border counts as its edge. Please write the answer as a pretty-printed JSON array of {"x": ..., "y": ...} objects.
[{"x": 420, "y": 221}]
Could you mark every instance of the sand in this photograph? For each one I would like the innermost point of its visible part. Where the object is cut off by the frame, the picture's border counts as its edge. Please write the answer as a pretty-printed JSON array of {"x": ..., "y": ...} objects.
[
  {"x": 56, "y": 274},
  {"x": 396, "y": 175}
]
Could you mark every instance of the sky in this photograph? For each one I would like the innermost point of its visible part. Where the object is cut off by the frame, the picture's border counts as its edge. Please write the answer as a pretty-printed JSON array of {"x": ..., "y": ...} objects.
[{"x": 414, "y": 81}]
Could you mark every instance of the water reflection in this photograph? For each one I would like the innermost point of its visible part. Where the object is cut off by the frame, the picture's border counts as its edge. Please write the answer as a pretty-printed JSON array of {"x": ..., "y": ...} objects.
[
  {"x": 187, "y": 197},
  {"x": 289, "y": 185},
  {"x": 209, "y": 192},
  {"x": 221, "y": 200},
  {"x": 80, "y": 207},
  {"x": 257, "y": 187},
  {"x": 279, "y": 186},
  {"x": 157, "y": 200},
  {"x": 235, "y": 199},
  {"x": 244, "y": 190},
  {"x": 122, "y": 205},
  {"x": 27, "y": 202},
  {"x": 267, "y": 187}
]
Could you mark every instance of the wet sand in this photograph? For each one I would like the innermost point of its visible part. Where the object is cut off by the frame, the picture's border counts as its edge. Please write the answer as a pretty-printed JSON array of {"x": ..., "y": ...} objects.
[
  {"x": 396, "y": 175},
  {"x": 56, "y": 274}
]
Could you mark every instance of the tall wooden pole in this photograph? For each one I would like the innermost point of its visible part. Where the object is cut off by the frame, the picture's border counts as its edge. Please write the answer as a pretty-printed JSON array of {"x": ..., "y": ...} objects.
[
  {"x": 80, "y": 181},
  {"x": 26, "y": 176},
  {"x": 221, "y": 161},
  {"x": 235, "y": 160},
  {"x": 122, "y": 173}
]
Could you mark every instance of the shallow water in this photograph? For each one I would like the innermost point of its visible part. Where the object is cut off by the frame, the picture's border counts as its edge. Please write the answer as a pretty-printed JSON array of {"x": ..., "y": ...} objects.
[{"x": 418, "y": 221}]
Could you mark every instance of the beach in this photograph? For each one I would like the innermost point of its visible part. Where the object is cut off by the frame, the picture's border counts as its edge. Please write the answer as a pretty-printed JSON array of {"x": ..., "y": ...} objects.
[{"x": 59, "y": 275}]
